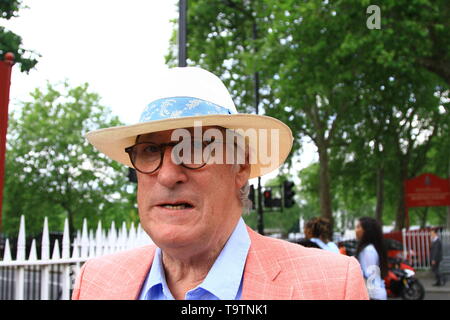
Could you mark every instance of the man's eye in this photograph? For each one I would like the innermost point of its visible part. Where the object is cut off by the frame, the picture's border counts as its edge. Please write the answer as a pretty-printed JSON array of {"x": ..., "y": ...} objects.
[{"x": 151, "y": 149}]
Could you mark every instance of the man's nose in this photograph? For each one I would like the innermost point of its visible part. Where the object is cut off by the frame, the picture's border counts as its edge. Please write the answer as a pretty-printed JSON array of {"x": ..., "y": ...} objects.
[{"x": 170, "y": 173}]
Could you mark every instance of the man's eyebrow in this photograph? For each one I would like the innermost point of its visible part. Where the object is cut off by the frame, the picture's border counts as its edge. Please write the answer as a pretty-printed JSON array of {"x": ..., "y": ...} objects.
[{"x": 144, "y": 138}]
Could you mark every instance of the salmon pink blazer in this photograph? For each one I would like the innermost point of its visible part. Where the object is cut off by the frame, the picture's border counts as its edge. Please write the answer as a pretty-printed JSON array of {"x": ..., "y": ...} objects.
[{"x": 274, "y": 270}]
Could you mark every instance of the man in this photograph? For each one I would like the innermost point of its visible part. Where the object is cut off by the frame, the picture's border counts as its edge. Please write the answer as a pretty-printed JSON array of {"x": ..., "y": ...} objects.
[
  {"x": 436, "y": 258},
  {"x": 194, "y": 155}
]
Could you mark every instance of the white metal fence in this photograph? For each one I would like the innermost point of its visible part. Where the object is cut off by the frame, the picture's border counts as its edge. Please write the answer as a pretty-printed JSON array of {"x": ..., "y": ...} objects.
[
  {"x": 51, "y": 277},
  {"x": 417, "y": 245}
]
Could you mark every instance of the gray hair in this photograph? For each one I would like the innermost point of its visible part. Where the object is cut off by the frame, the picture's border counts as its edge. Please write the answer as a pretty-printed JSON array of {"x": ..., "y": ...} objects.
[
  {"x": 245, "y": 201},
  {"x": 245, "y": 190}
]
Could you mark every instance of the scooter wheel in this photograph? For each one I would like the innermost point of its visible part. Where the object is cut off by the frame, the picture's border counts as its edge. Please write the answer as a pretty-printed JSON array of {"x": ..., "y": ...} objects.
[{"x": 416, "y": 291}]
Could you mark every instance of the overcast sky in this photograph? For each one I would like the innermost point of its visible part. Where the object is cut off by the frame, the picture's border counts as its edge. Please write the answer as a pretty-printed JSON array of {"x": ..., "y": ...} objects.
[{"x": 118, "y": 47}]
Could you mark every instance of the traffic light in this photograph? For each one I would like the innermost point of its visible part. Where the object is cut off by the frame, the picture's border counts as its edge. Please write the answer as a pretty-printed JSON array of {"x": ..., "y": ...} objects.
[
  {"x": 251, "y": 196},
  {"x": 288, "y": 193},
  {"x": 268, "y": 198}
]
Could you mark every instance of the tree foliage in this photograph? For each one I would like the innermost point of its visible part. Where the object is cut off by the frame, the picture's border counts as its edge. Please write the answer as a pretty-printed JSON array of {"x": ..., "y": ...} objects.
[
  {"x": 52, "y": 170},
  {"x": 11, "y": 42},
  {"x": 372, "y": 101}
]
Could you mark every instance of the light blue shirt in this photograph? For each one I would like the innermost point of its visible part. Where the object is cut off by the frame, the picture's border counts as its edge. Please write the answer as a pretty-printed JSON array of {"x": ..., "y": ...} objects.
[
  {"x": 329, "y": 246},
  {"x": 370, "y": 262},
  {"x": 223, "y": 281}
]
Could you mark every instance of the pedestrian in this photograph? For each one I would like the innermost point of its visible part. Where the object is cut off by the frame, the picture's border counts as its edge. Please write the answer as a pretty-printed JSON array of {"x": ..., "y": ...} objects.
[
  {"x": 318, "y": 231},
  {"x": 192, "y": 188},
  {"x": 436, "y": 258},
  {"x": 372, "y": 256}
]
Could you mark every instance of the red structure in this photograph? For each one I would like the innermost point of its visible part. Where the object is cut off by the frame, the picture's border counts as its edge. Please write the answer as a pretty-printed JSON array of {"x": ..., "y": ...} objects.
[
  {"x": 426, "y": 190},
  {"x": 5, "y": 83}
]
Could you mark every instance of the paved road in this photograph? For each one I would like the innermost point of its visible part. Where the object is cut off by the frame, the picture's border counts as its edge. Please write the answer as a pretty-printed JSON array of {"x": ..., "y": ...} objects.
[
  {"x": 433, "y": 293},
  {"x": 437, "y": 296}
]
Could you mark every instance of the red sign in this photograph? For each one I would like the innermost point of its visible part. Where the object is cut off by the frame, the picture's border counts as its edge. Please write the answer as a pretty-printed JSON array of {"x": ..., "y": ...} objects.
[{"x": 427, "y": 190}]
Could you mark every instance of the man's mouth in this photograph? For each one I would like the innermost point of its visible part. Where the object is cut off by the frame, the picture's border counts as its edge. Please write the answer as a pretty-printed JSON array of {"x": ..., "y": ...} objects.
[{"x": 176, "y": 206}]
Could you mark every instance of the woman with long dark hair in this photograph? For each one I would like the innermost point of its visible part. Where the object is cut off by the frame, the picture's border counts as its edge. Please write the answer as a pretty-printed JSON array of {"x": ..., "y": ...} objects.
[{"x": 371, "y": 254}]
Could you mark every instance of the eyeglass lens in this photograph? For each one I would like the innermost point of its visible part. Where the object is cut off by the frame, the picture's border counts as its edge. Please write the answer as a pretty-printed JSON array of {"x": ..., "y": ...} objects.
[{"x": 147, "y": 157}]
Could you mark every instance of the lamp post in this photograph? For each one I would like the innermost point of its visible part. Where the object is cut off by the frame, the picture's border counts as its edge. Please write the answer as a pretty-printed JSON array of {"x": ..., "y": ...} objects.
[
  {"x": 182, "y": 33},
  {"x": 5, "y": 83},
  {"x": 256, "y": 93}
]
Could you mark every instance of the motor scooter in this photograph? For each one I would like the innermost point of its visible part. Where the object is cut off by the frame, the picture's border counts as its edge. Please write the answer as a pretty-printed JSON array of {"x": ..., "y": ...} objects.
[{"x": 401, "y": 281}]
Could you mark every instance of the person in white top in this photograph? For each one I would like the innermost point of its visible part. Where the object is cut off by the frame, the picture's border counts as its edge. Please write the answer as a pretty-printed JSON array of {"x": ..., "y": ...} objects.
[
  {"x": 372, "y": 256},
  {"x": 318, "y": 230}
]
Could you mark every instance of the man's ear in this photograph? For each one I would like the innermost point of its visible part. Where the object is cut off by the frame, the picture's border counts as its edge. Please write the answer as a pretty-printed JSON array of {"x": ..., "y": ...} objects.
[{"x": 242, "y": 174}]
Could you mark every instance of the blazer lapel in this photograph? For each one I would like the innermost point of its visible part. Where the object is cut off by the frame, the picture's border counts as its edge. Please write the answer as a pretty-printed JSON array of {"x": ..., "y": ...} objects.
[
  {"x": 127, "y": 283},
  {"x": 260, "y": 272}
]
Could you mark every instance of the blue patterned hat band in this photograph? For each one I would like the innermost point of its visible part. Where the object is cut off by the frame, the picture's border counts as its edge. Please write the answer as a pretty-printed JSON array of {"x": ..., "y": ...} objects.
[{"x": 178, "y": 107}]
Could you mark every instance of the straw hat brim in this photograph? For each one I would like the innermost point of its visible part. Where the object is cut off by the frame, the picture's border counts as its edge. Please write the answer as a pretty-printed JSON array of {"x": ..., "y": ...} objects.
[{"x": 113, "y": 141}]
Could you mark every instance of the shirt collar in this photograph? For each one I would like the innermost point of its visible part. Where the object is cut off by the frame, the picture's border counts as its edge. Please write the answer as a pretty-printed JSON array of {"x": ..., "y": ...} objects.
[
  {"x": 319, "y": 242},
  {"x": 223, "y": 279},
  {"x": 156, "y": 279}
]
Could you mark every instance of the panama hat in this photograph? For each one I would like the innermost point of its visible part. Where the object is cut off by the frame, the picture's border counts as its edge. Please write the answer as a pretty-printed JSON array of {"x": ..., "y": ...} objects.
[{"x": 186, "y": 96}]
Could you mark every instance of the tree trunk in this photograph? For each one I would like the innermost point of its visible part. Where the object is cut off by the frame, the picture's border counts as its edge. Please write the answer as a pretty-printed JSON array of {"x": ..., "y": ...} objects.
[
  {"x": 324, "y": 185},
  {"x": 448, "y": 218},
  {"x": 400, "y": 218},
  {"x": 380, "y": 195},
  {"x": 423, "y": 217}
]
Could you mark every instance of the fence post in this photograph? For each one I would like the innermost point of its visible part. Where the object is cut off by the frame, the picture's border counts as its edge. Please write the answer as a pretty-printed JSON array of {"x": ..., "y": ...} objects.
[
  {"x": 131, "y": 237},
  {"x": 112, "y": 238},
  {"x": 56, "y": 255},
  {"x": 427, "y": 248},
  {"x": 123, "y": 237},
  {"x": 91, "y": 244},
  {"x": 20, "y": 274},
  {"x": 33, "y": 253},
  {"x": 405, "y": 255},
  {"x": 423, "y": 261},
  {"x": 98, "y": 240},
  {"x": 84, "y": 240},
  {"x": 66, "y": 281},
  {"x": 45, "y": 255},
  {"x": 30, "y": 291},
  {"x": 7, "y": 254}
]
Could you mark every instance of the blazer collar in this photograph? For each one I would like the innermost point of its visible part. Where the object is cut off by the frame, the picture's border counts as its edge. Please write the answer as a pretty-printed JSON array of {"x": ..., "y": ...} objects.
[{"x": 128, "y": 285}]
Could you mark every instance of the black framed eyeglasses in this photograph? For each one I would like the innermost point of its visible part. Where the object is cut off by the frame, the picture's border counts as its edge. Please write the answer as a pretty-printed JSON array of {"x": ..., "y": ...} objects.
[{"x": 147, "y": 157}]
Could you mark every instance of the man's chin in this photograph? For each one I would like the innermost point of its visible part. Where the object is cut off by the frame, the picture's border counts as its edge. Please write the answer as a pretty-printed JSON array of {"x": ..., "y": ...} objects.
[{"x": 173, "y": 236}]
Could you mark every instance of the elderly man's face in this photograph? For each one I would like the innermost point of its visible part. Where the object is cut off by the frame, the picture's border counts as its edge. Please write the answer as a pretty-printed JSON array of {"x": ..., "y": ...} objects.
[{"x": 182, "y": 208}]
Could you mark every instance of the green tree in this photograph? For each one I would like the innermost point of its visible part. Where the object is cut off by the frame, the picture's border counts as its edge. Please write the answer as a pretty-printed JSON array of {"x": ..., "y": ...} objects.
[
  {"x": 340, "y": 68},
  {"x": 52, "y": 170},
  {"x": 320, "y": 68},
  {"x": 11, "y": 42}
]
